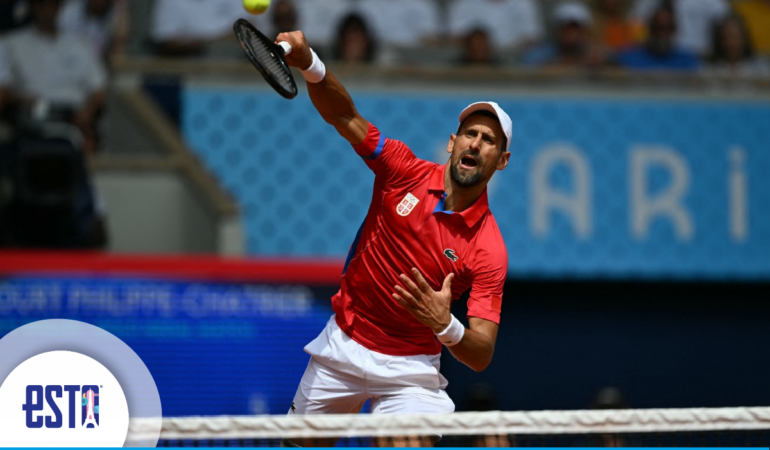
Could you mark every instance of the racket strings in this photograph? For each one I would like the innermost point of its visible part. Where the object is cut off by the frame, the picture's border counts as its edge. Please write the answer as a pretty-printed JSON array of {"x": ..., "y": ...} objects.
[{"x": 264, "y": 54}]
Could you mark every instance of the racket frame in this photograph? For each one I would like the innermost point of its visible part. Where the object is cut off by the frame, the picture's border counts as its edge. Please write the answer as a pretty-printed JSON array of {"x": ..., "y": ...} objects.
[{"x": 276, "y": 50}]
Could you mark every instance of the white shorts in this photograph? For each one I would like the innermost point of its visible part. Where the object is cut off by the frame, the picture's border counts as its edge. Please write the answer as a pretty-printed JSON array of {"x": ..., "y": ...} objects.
[{"x": 342, "y": 375}]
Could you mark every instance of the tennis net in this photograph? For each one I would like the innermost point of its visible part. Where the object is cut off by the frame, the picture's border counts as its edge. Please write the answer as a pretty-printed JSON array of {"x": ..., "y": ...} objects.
[{"x": 700, "y": 427}]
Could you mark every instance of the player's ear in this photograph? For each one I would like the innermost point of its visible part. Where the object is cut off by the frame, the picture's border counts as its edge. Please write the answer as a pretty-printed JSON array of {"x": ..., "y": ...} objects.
[
  {"x": 502, "y": 163},
  {"x": 451, "y": 143}
]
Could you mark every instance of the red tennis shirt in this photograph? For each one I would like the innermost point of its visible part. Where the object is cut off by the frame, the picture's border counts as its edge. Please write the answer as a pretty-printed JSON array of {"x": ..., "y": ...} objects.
[{"x": 406, "y": 227}]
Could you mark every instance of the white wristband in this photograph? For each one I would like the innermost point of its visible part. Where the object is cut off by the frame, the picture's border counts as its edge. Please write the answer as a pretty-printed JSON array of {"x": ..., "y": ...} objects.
[
  {"x": 317, "y": 70},
  {"x": 453, "y": 334}
]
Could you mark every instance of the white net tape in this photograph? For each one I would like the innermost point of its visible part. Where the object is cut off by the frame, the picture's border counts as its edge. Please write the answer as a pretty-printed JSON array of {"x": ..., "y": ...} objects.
[{"x": 466, "y": 423}]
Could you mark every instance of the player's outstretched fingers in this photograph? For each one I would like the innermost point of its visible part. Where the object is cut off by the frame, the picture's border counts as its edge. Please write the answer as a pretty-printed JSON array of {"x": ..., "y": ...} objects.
[
  {"x": 400, "y": 300},
  {"x": 407, "y": 297},
  {"x": 410, "y": 306},
  {"x": 421, "y": 283},
  {"x": 413, "y": 288}
]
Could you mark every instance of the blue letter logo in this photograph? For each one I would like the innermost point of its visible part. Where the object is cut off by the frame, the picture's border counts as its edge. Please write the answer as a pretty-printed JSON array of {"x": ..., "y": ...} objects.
[{"x": 89, "y": 406}]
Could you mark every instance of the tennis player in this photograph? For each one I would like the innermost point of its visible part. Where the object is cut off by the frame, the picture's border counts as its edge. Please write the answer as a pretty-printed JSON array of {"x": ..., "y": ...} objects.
[{"x": 428, "y": 237}]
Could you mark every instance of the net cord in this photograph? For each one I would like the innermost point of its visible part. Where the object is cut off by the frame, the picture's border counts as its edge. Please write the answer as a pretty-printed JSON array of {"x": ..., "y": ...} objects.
[{"x": 464, "y": 423}]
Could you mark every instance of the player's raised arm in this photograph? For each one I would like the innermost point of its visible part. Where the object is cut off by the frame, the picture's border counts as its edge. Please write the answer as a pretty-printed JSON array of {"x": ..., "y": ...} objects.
[{"x": 328, "y": 95}]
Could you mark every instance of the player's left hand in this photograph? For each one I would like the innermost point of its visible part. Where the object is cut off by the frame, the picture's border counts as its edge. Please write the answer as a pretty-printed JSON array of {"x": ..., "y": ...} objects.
[{"x": 426, "y": 305}]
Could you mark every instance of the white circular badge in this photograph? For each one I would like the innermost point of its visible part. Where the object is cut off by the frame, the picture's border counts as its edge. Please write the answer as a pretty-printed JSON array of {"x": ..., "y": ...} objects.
[{"x": 62, "y": 399}]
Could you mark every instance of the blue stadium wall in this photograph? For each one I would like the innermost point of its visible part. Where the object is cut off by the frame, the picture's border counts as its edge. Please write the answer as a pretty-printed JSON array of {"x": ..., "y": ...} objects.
[{"x": 596, "y": 187}]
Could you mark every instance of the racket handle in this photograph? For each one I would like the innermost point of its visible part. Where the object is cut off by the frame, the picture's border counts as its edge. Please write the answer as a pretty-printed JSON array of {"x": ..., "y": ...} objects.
[{"x": 285, "y": 46}]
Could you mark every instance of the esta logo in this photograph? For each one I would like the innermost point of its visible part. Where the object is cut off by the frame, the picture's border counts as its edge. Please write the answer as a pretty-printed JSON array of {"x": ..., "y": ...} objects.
[{"x": 89, "y": 405}]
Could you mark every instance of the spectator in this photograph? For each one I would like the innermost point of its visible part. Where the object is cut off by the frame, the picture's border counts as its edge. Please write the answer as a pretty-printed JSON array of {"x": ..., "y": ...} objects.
[
  {"x": 477, "y": 49},
  {"x": 5, "y": 94},
  {"x": 101, "y": 23},
  {"x": 572, "y": 46},
  {"x": 318, "y": 19},
  {"x": 402, "y": 23},
  {"x": 6, "y": 78},
  {"x": 756, "y": 16},
  {"x": 695, "y": 19},
  {"x": 613, "y": 28},
  {"x": 52, "y": 204},
  {"x": 13, "y": 14},
  {"x": 284, "y": 16},
  {"x": 188, "y": 27},
  {"x": 511, "y": 24},
  {"x": 660, "y": 52},
  {"x": 57, "y": 70},
  {"x": 355, "y": 43},
  {"x": 733, "y": 53}
]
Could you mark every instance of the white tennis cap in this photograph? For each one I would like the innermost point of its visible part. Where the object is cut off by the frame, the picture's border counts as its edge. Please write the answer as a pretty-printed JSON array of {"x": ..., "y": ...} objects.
[{"x": 494, "y": 108}]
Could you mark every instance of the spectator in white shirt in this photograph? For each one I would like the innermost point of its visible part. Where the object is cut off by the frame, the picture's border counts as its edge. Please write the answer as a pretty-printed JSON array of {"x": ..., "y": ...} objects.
[
  {"x": 695, "y": 19},
  {"x": 320, "y": 19},
  {"x": 572, "y": 46},
  {"x": 101, "y": 23},
  {"x": 185, "y": 27},
  {"x": 402, "y": 23},
  {"x": 511, "y": 24},
  {"x": 58, "y": 69}
]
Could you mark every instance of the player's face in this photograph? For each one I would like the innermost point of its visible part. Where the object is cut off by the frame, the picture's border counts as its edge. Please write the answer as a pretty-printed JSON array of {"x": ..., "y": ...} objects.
[{"x": 477, "y": 151}]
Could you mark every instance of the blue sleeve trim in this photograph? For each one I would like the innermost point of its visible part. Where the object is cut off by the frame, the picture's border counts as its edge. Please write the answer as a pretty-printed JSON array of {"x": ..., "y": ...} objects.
[
  {"x": 378, "y": 150},
  {"x": 354, "y": 247}
]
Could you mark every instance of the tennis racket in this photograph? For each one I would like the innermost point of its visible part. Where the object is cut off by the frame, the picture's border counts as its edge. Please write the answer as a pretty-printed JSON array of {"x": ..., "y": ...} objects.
[{"x": 267, "y": 57}]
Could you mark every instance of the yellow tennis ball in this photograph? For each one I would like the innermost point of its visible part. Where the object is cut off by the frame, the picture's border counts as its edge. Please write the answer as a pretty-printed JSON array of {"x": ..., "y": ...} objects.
[{"x": 256, "y": 6}]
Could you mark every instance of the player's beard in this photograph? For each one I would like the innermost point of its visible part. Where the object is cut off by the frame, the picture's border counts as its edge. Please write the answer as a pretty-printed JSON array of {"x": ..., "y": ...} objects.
[{"x": 468, "y": 178}]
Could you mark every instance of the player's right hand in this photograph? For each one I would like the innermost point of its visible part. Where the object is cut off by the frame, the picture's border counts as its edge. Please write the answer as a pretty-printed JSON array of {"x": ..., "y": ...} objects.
[{"x": 300, "y": 56}]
